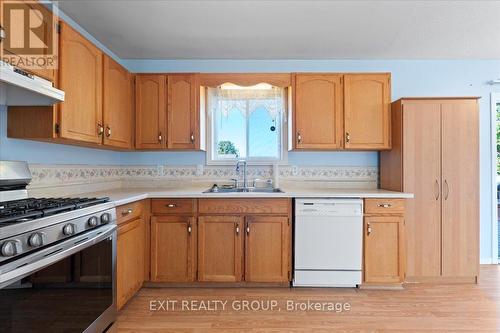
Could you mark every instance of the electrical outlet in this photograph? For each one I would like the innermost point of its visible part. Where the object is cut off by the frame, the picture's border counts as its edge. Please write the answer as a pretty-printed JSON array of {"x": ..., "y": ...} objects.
[
  {"x": 159, "y": 170},
  {"x": 199, "y": 170}
]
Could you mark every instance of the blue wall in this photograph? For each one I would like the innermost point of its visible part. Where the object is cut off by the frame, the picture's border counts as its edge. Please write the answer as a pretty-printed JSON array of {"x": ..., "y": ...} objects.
[{"x": 409, "y": 78}]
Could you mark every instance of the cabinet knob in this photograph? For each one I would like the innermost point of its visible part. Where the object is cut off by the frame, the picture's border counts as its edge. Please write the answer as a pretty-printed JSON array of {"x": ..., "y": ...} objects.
[
  {"x": 368, "y": 229},
  {"x": 237, "y": 229},
  {"x": 248, "y": 230},
  {"x": 299, "y": 137},
  {"x": 171, "y": 205},
  {"x": 189, "y": 229},
  {"x": 347, "y": 137},
  {"x": 108, "y": 131},
  {"x": 192, "y": 137},
  {"x": 160, "y": 137},
  {"x": 100, "y": 129},
  {"x": 127, "y": 211},
  {"x": 2, "y": 34}
]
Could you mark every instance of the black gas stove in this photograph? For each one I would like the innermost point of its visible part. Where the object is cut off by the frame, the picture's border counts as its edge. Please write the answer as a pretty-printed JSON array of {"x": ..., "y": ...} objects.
[{"x": 23, "y": 210}]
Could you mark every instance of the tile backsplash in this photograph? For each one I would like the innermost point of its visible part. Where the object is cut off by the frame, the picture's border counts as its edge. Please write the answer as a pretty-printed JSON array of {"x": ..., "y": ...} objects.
[{"x": 164, "y": 175}]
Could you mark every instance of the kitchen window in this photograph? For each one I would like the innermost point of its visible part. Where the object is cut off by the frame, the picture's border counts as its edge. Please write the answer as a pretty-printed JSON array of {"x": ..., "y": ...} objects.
[{"x": 246, "y": 123}]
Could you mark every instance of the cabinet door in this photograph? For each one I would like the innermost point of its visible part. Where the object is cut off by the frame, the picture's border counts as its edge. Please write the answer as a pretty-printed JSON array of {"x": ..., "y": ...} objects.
[
  {"x": 41, "y": 18},
  {"x": 129, "y": 260},
  {"x": 422, "y": 177},
  {"x": 318, "y": 111},
  {"x": 182, "y": 112},
  {"x": 81, "y": 79},
  {"x": 117, "y": 108},
  {"x": 460, "y": 158},
  {"x": 173, "y": 249},
  {"x": 383, "y": 257},
  {"x": 150, "y": 108},
  {"x": 220, "y": 246},
  {"x": 367, "y": 99},
  {"x": 266, "y": 249}
]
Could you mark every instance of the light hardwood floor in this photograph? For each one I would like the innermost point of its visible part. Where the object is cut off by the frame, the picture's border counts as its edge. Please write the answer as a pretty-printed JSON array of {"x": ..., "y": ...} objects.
[{"x": 418, "y": 308}]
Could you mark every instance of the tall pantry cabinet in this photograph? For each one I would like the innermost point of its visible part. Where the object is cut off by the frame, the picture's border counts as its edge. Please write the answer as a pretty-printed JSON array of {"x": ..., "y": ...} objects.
[{"x": 435, "y": 156}]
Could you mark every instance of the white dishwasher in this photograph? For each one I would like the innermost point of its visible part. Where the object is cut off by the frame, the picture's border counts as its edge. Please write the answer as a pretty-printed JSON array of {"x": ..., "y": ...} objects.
[{"x": 328, "y": 242}]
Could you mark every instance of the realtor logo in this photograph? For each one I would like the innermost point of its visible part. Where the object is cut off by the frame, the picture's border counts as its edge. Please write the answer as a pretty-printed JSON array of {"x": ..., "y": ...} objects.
[{"x": 30, "y": 35}]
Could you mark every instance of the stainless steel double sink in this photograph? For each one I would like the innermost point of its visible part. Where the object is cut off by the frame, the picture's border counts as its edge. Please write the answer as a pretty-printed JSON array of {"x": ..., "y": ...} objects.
[{"x": 221, "y": 189}]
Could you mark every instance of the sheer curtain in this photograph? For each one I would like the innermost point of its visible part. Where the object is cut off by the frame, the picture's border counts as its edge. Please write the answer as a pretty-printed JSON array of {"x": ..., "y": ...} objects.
[{"x": 246, "y": 100}]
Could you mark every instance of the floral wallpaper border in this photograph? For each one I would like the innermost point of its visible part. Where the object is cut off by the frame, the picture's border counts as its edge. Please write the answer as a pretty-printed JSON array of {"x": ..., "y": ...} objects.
[{"x": 46, "y": 175}]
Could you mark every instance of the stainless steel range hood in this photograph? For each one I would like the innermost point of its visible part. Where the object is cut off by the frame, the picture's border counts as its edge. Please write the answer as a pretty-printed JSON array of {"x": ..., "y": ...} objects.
[{"x": 18, "y": 88}]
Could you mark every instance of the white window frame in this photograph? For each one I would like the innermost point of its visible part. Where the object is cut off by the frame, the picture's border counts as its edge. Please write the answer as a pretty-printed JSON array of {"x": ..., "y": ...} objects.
[
  {"x": 251, "y": 161},
  {"x": 495, "y": 98}
]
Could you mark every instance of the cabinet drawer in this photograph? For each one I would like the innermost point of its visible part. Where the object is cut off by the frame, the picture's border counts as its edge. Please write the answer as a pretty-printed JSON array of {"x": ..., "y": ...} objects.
[
  {"x": 129, "y": 212},
  {"x": 244, "y": 206},
  {"x": 173, "y": 206},
  {"x": 384, "y": 206}
]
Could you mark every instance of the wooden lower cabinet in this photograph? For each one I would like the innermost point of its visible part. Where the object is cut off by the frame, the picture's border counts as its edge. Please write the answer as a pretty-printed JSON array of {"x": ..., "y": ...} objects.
[
  {"x": 266, "y": 244},
  {"x": 129, "y": 260},
  {"x": 383, "y": 238},
  {"x": 220, "y": 240},
  {"x": 384, "y": 241},
  {"x": 173, "y": 248},
  {"x": 220, "y": 248}
]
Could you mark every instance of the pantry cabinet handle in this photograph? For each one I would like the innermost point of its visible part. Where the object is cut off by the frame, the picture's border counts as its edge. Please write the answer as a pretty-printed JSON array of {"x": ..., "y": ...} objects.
[
  {"x": 127, "y": 212},
  {"x": 437, "y": 190},
  {"x": 192, "y": 137},
  {"x": 108, "y": 131},
  {"x": 171, "y": 205},
  {"x": 368, "y": 229},
  {"x": 347, "y": 137},
  {"x": 384, "y": 205},
  {"x": 299, "y": 137},
  {"x": 447, "y": 193}
]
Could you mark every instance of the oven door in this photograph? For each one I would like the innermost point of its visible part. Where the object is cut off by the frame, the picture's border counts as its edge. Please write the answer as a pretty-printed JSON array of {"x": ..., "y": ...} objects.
[{"x": 67, "y": 287}]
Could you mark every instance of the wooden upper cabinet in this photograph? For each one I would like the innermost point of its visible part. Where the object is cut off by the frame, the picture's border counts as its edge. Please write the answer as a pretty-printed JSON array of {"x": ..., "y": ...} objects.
[
  {"x": 267, "y": 245},
  {"x": 367, "y": 102},
  {"x": 182, "y": 112},
  {"x": 40, "y": 16},
  {"x": 173, "y": 249},
  {"x": 220, "y": 248},
  {"x": 318, "y": 114},
  {"x": 150, "y": 108},
  {"x": 383, "y": 249},
  {"x": 117, "y": 108},
  {"x": 81, "y": 80},
  {"x": 460, "y": 190}
]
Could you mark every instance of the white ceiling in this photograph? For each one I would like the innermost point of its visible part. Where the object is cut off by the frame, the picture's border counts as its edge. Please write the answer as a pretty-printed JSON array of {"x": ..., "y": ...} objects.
[{"x": 284, "y": 29}]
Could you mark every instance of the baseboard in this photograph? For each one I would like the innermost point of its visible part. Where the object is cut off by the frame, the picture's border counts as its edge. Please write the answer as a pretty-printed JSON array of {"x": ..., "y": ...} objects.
[{"x": 488, "y": 261}]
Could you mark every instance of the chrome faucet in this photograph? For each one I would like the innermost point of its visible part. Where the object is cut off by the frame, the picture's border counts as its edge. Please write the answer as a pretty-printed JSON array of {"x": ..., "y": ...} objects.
[{"x": 244, "y": 172}]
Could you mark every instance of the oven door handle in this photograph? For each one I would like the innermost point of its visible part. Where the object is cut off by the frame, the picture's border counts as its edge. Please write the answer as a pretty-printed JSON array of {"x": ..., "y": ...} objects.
[{"x": 34, "y": 262}]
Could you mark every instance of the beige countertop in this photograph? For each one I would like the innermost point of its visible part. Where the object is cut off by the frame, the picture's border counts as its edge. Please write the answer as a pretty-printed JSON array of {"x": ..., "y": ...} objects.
[{"x": 126, "y": 195}]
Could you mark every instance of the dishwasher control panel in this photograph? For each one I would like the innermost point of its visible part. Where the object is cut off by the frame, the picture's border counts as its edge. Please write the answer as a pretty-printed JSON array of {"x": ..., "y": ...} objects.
[{"x": 328, "y": 207}]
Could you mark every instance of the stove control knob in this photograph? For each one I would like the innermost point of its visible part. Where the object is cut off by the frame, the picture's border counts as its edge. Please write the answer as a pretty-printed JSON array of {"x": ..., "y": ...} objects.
[
  {"x": 9, "y": 249},
  {"x": 92, "y": 222},
  {"x": 105, "y": 218},
  {"x": 69, "y": 229},
  {"x": 35, "y": 240}
]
